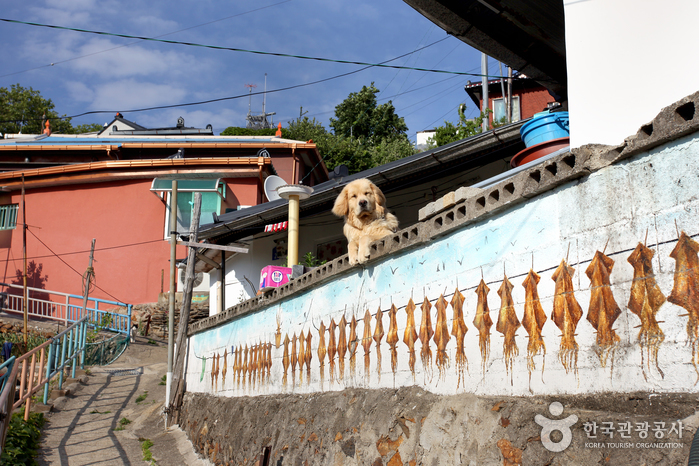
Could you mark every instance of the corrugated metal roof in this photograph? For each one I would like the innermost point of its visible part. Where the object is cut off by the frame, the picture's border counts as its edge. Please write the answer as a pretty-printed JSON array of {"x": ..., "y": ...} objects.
[{"x": 114, "y": 140}]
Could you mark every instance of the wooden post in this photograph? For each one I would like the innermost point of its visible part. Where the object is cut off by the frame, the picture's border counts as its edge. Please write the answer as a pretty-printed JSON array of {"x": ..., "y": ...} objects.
[
  {"x": 88, "y": 277},
  {"x": 24, "y": 256},
  {"x": 178, "y": 382}
]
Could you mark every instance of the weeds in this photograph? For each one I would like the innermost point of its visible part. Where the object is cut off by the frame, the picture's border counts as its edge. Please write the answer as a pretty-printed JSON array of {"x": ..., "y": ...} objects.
[
  {"x": 142, "y": 397},
  {"x": 123, "y": 423},
  {"x": 94, "y": 411},
  {"x": 152, "y": 342},
  {"x": 163, "y": 380},
  {"x": 145, "y": 448}
]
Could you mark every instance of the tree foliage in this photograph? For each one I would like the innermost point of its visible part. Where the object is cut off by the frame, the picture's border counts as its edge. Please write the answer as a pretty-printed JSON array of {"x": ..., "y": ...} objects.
[
  {"x": 359, "y": 116},
  {"x": 24, "y": 109},
  {"x": 465, "y": 128},
  {"x": 240, "y": 131},
  {"x": 364, "y": 134}
]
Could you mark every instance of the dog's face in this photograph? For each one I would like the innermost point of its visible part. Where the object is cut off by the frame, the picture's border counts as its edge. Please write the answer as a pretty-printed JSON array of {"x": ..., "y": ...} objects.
[{"x": 360, "y": 199}]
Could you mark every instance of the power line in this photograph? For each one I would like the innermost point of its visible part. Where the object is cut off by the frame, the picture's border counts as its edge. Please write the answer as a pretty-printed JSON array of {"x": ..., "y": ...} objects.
[
  {"x": 137, "y": 41},
  {"x": 71, "y": 267},
  {"x": 257, "y": 52},
  {"x": 239, "y": 96},
  {"x": 87, "y": 250}
]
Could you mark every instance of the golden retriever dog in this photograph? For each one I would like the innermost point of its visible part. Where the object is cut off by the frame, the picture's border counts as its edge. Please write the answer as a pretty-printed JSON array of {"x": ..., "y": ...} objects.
[{"x": 363, "y": 205}]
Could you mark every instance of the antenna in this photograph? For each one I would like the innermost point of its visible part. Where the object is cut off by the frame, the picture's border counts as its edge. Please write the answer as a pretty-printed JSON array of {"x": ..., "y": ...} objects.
[
  {"x": 264, "y": 97},
  {"x": 259, "y": 120},
  {"x": 250, "y": 86},
  {"x": 271, "y": 184}
]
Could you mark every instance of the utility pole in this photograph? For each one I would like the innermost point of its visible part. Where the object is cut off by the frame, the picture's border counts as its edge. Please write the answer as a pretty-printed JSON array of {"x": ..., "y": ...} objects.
[
  {"x": 178, "y": 375},
  {"x": 24, "y": 256},
  {"x": 171, "y": 297},
  {"x": 509, "y": 94},
  {"x": 484, "y": 85},
  {"x": 504, "y": 98},
  {"x": 88, "y": 278}
]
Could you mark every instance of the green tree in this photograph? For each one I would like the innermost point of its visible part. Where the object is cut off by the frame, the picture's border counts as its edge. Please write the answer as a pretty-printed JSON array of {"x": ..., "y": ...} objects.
[
  {"x": 87, "y": 128},
  {"x": 304, "y": 129},
  {"x": 450, "y": 132},
  {"x": 239, "y": 131},
  {"x": 359, "y": 116},
  {"x": 23, "y": 109},
  {"x": 365, "y": 134}
]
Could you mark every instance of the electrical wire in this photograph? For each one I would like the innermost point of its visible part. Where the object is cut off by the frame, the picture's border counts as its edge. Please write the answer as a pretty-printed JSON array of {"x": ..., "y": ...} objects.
[
  {"x": 137, "y": 41},
  {"x": 72, "y": 268},
  {"x": 257, "y": 52},
  {"x": 87, "y": 251},
  {"x": 231, "y": 97}
]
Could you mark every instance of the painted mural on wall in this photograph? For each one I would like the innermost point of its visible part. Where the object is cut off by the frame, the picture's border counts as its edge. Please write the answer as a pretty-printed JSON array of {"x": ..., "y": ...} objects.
[{"x": 424, "y": 334}]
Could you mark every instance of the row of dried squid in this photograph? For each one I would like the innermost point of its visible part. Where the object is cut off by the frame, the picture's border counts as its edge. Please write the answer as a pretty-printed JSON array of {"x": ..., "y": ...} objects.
[{"x": 254, "y": 363}]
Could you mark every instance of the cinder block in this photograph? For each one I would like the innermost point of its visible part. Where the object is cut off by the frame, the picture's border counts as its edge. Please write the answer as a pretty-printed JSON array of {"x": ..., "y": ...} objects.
[
  {"x": 427, "y": 211},
  {"x": 465, "y": 192}
]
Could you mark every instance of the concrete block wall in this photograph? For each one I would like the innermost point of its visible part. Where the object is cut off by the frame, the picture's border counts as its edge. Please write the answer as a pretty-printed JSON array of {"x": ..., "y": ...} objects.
[{"x": 596, "y": 198}]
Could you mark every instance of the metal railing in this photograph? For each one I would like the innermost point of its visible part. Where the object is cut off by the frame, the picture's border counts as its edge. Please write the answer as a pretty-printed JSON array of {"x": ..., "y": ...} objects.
[
  {"x": 65, "y": 307},
  {"x": 63, "y": 350}
]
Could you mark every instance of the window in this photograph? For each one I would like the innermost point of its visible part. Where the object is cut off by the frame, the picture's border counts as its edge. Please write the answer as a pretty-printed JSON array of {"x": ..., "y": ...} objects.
[
  {"x": 500, "y": 112},
  {"x": 210, "y": 205},
  {"x": 213, "y": 191},
  {"x": 8, "y": 216}
]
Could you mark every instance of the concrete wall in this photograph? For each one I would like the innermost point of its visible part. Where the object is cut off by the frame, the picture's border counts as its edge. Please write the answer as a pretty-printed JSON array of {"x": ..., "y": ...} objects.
[
  {"x": 596, "y": 199},
  {"x": 626, "y": 59}
]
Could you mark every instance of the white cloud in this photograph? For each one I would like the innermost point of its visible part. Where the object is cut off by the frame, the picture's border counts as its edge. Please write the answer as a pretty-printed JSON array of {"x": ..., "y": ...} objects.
[
  {"x": 60, "y": 17},
  {"x": 150, "y": 25},
  {"x": 105, "y": 58},
  {"x": 80, "y": 91},
  {"x": 128, "y": 93}
]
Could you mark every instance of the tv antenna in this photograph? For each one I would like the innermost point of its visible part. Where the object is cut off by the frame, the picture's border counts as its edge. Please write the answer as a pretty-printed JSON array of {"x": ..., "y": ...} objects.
[
  {"x": 259, "y": 120},
  {"x": 250, "y": 86}
]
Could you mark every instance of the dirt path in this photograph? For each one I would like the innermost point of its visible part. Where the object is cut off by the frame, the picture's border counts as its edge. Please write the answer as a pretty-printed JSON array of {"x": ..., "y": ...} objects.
[{"x": 85, "y": 428}]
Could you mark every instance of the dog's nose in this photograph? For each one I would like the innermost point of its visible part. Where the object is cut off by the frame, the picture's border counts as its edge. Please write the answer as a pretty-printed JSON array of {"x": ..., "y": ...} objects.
[{"x": 363, "y": 203}]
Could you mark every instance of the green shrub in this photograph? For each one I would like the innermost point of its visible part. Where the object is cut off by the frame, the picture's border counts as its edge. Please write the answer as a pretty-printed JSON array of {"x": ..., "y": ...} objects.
[{"x": 22, "y": 443}]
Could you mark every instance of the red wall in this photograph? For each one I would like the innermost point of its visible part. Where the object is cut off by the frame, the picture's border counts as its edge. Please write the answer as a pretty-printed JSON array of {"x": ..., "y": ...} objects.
[
  {"x": 531, "y": 101},
  {"x": 119, "y": 215}
]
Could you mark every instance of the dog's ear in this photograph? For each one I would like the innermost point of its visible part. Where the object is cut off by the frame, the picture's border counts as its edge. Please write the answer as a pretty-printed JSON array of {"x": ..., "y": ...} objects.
[
  {"x": 380, "y": 200},
  {"x": 378, "y": 195},
  {"x": 341, "y": 206}
]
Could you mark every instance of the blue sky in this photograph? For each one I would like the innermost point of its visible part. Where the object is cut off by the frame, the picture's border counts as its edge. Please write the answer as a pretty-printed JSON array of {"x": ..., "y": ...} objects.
[{"x": 94, "y": 72}]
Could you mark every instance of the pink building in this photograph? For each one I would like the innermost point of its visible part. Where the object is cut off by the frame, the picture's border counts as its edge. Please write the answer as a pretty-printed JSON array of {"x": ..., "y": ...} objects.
[{"x": 104, "y": 186}]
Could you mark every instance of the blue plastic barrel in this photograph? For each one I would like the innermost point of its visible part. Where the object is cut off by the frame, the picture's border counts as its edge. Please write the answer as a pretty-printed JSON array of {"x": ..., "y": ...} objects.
[{"x": 544, "y": 127}]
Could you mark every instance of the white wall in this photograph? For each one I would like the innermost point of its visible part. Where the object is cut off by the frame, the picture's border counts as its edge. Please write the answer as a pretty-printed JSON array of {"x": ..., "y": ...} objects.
[
  {"x": 627, "y": 59},
  {"x": 613, "y": 210}
]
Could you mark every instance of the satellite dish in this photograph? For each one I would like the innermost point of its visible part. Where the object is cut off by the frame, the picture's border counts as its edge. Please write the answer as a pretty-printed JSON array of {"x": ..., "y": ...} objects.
[{"x": 271, "y": 184}]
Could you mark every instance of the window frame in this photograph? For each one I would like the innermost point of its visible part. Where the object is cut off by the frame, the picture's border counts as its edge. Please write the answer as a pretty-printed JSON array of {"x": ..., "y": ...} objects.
[
  {"x": 221, "y": 196},
  {"x": 8, "y": 216}
]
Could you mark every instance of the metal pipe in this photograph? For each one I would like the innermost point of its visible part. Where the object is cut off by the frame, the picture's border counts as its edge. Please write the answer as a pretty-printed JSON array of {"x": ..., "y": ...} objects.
[
  {"x": 293, "y": 230},
  {"x": 484, "y": 83}
]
